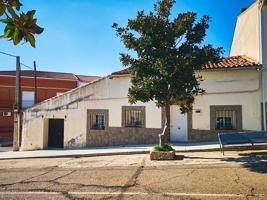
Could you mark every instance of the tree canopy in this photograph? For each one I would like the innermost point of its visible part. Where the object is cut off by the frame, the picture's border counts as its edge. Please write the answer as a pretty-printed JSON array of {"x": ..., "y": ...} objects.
[
  {"x": 169, "y": 50},
  {"x": 18, "y": 25}
]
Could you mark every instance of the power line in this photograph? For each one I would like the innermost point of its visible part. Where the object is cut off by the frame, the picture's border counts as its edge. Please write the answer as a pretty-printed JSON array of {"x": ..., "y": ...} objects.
[
  {"x": 26, "y": 66},
  {"x": 7, "y": 54}
]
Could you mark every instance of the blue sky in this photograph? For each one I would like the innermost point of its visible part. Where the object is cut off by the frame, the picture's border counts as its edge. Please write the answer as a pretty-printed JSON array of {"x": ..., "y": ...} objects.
[{"x": 78, "y": 36}]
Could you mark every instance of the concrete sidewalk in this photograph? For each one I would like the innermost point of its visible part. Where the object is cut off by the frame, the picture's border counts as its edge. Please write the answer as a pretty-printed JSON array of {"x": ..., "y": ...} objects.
[{"x": 105, "y": 151}]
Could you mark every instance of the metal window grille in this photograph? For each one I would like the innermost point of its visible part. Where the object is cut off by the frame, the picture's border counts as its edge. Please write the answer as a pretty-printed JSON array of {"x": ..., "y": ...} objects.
[
  {"x": 98, "y": 121},
  {"x": 133, "y": 118},
  {"x": 225, "y": 120}
]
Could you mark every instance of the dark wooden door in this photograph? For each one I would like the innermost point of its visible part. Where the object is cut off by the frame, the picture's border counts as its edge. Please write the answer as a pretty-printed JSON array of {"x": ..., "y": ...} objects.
[{"x": 56, "y": 133}]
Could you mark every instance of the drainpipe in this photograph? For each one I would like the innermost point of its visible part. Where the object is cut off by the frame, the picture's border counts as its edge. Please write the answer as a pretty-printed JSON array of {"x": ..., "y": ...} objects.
[{"x": 263, "y": 94}]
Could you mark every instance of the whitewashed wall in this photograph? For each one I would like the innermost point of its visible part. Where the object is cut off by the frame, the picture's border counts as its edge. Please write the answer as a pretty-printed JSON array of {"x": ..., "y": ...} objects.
[
  {"x": 108, "y": 94},
  {"x": 246, "y": 35},
  {"x": 236, "y": 87},
  {"x": 264, "y": 35}
]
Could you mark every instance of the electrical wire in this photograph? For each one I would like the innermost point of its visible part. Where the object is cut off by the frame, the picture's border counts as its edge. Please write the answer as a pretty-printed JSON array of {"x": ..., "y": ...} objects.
[
  {"x": 7, "y": 54},
  {"x": 26, "y": 66}
]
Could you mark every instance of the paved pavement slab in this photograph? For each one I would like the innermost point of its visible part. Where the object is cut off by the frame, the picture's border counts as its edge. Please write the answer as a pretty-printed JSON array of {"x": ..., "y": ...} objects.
[{"x": 104, "y": 151}]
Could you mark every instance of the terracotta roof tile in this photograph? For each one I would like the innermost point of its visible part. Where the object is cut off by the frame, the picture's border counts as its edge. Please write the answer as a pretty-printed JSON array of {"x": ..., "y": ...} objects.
[{"x": 232, "y": 62}]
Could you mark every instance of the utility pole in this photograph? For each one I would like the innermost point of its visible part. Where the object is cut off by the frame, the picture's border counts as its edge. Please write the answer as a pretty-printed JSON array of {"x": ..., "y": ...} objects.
[
  {"x": 35, "y": 83},
  {"x": 17, "y": 107}
]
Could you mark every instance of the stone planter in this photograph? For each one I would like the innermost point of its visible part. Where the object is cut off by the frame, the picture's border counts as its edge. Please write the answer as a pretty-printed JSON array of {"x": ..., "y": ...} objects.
[{"x": 162, "y": 155}]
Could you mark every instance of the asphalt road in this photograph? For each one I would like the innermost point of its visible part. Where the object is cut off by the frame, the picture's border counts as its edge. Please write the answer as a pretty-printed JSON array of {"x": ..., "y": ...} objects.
[{"x": 198, "y": 176}]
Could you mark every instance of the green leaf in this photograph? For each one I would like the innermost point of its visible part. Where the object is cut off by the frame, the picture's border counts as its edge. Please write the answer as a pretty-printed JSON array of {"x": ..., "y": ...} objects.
[
  {"x": 6, "y": 21},
  {"x": 2, "y": 9},
  {"x": 16, "y": 38},
  {"x": 6, "y": 34},
  {"x": 19, "y": 25},
  {"x": 31, "y": 39},
  {"x": 10, "y": 26}
]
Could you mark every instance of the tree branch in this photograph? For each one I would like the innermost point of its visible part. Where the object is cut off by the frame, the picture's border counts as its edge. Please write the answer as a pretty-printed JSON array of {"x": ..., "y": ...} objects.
[{"x": 7, "y": 16}]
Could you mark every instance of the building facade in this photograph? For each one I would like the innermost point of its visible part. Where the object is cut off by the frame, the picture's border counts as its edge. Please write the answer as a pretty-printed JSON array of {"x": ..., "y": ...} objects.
[
  {"x": 98, "y": 113},
  {"x": 49, "y": 84}
]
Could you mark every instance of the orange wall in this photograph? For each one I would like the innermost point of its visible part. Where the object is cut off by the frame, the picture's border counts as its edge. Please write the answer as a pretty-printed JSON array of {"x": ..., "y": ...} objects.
[
  {"x": 29, "y": 82},
  {"x": 46, "y": 88}
]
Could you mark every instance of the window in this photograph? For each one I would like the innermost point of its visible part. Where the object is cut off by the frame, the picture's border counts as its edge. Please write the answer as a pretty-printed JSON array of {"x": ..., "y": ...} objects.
[
  {"x": 27, "y": 99},
  {"x": 133, "y": 116},
  {"x": 226, "y": 117},
  {"x": 98, "y": 119},
  {"x": 225, "y": 120}
]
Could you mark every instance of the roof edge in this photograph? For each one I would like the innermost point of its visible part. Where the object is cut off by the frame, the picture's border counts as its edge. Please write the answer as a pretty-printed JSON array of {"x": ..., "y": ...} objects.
[{"x": 252, "y": 64}]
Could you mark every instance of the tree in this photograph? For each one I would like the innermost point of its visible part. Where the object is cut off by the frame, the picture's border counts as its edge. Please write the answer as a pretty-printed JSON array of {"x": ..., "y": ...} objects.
[
  {"x": 18, "y": 25},
  {"x": 168, "y": 53}
]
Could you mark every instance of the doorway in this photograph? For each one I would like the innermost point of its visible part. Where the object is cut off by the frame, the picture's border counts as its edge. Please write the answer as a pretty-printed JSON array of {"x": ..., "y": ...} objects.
[
  {"x": 178, "y": 125},
  {"x": 56, "y": 133}
]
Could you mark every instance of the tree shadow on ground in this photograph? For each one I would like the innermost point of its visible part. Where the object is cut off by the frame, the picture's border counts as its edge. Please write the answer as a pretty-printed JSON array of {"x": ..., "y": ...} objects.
[{"x": 254, "y": 161}]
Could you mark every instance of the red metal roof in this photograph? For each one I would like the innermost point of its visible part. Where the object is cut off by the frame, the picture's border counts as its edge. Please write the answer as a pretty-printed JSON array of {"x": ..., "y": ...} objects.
[
  {"x": 41, "y": 74},
  {"x": 232, "y": 62}
]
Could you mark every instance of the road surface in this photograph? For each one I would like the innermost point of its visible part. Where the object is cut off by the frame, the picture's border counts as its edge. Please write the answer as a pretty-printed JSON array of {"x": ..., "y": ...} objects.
[{"x": 195, "y": 176}]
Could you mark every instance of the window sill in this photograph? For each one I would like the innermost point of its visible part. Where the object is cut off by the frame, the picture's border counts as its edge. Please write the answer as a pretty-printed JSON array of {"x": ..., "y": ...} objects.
[
  {"x": 134, "y": 127},
  {"x": 95, "y": 129}
]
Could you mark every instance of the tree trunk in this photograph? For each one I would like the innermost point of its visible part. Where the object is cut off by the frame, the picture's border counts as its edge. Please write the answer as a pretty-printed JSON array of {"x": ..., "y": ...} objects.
[{"x": 163, "y": 135}]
